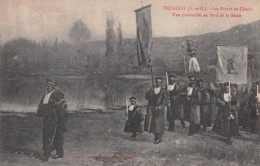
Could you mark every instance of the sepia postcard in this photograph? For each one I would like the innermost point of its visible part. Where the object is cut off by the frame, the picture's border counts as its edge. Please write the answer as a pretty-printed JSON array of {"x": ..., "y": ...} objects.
[{"x": 130, "y": 82}]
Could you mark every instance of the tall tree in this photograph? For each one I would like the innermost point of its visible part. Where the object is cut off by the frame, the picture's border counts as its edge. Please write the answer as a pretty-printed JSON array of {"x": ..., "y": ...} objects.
[
  {"x": 110, "y": 35},
  {"x": 120, "y": 38},
  {"x": 79, "y": 32}
]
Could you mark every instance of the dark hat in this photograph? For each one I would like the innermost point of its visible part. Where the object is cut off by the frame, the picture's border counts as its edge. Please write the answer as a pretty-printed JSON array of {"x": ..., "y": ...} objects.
[
  {"x": 189, "y": 43},
  {"x": 226, "y": 83},
  {"x": 234, "y": 85},
  {"x": 158, "y": 78},
  {"x": 190, "y": 47},
  {"x": 211, "y": 86},
  {"x": 50, "y": 81},
  {"x": 192, "y": 51},
  {"x": 199, "y": 80},
  {"x": 172, "y": 75},
  {"x": 132, "y": 97}
]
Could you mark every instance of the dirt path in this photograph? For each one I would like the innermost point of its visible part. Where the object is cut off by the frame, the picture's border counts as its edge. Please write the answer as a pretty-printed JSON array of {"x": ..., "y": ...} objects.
[{"x": 97, "y": 139}]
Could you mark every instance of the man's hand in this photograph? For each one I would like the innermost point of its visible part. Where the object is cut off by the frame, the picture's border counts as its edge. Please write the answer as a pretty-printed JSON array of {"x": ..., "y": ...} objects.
[
  {"x": 38, "y": 113},
  {"x": 229, "y": 98},
  {"x": 231, "y": 117},
  {"x": 169, "y": 104},
  {"x": 257, "y": 99}
]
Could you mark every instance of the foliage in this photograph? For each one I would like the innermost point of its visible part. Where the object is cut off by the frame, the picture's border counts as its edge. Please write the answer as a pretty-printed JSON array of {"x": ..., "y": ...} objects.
[
  {"x": 79, "y": 32},
  {"x": 25, "y": 57}
]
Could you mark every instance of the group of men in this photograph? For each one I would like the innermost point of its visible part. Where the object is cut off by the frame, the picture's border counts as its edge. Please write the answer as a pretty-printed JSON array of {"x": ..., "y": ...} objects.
[
  {"x": 206, "y": 104},
  {"x": 209, "y": 106}
]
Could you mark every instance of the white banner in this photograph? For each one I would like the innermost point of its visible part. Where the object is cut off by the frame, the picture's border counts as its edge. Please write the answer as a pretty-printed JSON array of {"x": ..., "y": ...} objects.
[{"x": 232, "y": 64}]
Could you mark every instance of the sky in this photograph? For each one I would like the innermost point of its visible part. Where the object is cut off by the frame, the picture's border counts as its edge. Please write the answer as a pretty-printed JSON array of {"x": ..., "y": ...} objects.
[{"x": 48, "y": 19}]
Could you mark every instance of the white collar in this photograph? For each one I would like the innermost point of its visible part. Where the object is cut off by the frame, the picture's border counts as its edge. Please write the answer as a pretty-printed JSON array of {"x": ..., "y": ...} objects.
[
  {"x": 226, "y": 97},
  {"x": 47, "y": 97},
  {"x": 171, "y": 87},
  {"x": 131, "y": 107},
  {"x": 157, "y": 90}
]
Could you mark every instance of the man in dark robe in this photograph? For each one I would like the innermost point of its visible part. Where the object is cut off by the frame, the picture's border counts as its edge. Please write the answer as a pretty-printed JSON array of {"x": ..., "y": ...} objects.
[
  {"x": 193, "y": 100},
  {"x": 154, "y": 121},
  {"x": 204, "y": 106},
  {"x": 213, "y": 89},
  {"x": 254, "y": 106},
  {"x": 224, "y": 124},
  {"x": 53, "y": 109},
  {"x": 175, "y": 109},
  {"x": 135, "y": 118},
  {"x": 234, "y": 111}
]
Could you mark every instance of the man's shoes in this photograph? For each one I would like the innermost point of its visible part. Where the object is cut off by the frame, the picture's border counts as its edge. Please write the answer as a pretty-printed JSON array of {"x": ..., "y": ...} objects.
[
  {"x": 204, "y": 128},
  {"x": 183, "y": 124},
  {"x": 190, "y": 134},
  {"x": 229, "y": 142},
  {"x": 133, "y": 136},
  {"x": 57, "y": 156},
  {"x": 198, "y": 128},
  {"x": 157, "y": 142},
  {"x": 44, "y": 159}
]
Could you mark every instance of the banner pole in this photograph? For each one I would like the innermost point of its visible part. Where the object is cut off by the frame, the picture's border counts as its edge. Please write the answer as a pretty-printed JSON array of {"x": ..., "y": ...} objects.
[
  {"x": 167, "y": 84},
  {"x": 152, "y": 75},
  {"x": 184, "y": 59},
  {"x": 126, "y": 103},
  {"x": 141, "y": 3}
]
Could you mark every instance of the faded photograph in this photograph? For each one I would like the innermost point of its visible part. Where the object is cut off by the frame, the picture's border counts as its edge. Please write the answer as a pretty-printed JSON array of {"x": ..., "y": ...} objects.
[{"x": 130, "y": 82}]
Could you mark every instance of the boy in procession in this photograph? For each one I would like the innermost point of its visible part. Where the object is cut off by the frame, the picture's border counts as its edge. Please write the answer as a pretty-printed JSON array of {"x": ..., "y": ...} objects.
[{"x": 135, "y": 118}]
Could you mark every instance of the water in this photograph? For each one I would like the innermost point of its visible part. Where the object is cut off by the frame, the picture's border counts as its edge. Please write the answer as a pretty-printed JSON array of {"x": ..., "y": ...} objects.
[{"x": 81, "y": 92}]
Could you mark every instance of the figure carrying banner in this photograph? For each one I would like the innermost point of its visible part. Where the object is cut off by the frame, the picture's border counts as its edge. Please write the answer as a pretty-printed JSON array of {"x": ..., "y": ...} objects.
[
  {"x": 157, "y": 101},
  {"x": 194, "y": 66}
]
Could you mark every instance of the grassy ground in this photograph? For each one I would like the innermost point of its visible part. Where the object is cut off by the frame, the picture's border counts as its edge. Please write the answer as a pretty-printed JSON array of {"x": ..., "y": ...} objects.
[{"x": 98, "y": 139}]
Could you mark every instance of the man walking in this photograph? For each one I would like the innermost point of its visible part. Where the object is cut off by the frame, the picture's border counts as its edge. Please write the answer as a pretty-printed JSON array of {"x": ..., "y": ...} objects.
[
  {"x": 175, "y": 110},
  {"x": 223, "y": 123},
  {"x": 53, "y": 109},
  {"x": 157, "y": 99},
  {"x": 253, "y": 100},
  {"x": 204, "y": 106},
  {"x": 194, "y": 99},
  {"x": 135, "y": 118}
]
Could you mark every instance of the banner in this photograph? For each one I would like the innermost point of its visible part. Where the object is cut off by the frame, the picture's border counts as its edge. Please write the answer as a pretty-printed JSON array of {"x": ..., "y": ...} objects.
[
  {"x": 144, "y": 36},
  {"x": 232, "y": 64}
]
